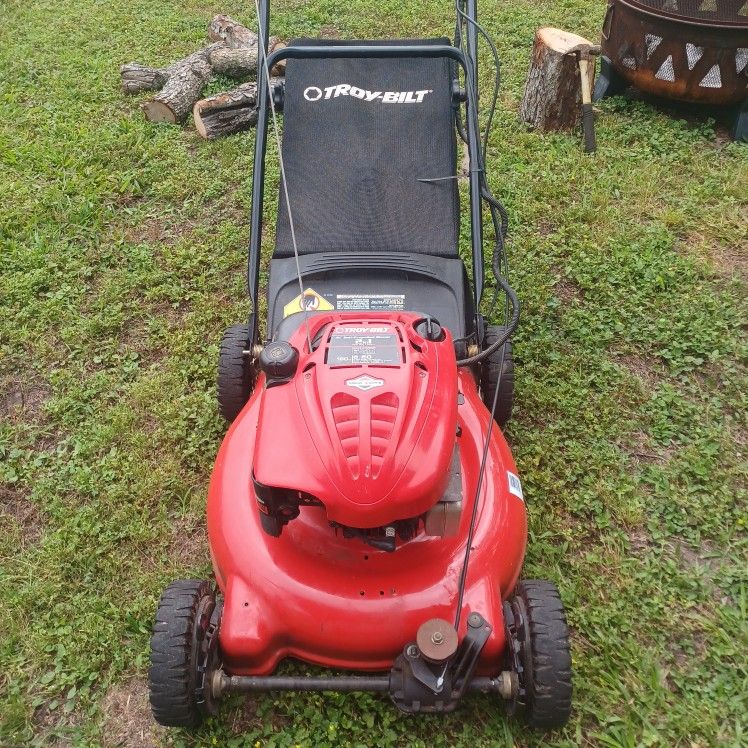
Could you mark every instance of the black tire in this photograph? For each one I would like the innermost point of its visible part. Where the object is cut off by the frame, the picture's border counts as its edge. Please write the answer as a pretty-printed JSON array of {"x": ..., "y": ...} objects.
[
  {"x": 235, "y": 372},
  {"x": 173, "y": 671},
  {"x": 490, "y": 368},
  {"x": 545, "y": 654}
]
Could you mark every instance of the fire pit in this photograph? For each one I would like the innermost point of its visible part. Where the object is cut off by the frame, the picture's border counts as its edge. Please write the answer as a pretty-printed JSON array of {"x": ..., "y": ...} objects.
[{"x": 688, "y": 50}]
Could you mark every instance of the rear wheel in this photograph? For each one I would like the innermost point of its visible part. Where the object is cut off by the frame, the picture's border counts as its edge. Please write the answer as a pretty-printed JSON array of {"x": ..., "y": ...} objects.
[
  {"x": 497, "y": 372},
  {"x": 235, "y": 372},
  {"x": 183, "y": 651},
  {"x": 538, "y": 645}
]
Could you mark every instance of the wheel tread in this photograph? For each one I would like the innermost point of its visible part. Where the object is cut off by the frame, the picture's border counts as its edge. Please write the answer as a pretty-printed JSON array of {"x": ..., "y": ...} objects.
[
  {"x": 548, "y": 701},
  {"x": 171, "y": 674},
  {"x": 235, "y": 376},
  {"x": 490, "y": 369}
]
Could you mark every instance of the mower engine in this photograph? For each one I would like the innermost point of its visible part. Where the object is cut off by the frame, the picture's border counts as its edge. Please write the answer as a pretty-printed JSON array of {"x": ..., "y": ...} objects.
[{"x": 367, "y": 416}]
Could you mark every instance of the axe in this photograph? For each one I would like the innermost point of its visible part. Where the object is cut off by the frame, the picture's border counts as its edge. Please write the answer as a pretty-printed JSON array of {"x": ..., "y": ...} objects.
[{"x": 583, "y": 54}]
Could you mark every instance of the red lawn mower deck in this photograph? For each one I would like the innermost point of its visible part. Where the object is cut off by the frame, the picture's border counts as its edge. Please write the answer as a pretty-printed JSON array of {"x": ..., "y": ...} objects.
[{"x": 384, "y": 443}]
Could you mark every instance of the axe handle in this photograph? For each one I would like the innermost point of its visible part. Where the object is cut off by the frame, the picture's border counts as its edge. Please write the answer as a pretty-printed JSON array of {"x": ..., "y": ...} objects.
[{"x": 588, "y": 118}]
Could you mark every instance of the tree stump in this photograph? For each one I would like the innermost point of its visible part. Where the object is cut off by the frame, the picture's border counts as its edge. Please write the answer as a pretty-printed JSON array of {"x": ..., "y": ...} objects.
[{"x": 553, "y": 96}]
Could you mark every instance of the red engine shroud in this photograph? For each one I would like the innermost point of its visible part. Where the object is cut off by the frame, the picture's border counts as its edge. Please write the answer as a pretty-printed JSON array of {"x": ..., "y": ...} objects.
[
  {"x": 335, "y": 601},
  {"x": 373, "y": 442}
]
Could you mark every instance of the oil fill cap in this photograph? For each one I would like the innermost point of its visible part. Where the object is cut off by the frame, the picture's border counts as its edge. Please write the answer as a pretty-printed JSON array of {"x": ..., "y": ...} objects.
[
  {"x": 430, "y": 329},
  {"x": 279, "y": 361}
]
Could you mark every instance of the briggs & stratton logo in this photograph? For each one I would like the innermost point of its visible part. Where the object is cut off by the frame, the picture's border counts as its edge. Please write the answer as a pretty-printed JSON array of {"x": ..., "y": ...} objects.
[
  {"x": 365, "y": 382},
  {"x": 313, "y": 93}
]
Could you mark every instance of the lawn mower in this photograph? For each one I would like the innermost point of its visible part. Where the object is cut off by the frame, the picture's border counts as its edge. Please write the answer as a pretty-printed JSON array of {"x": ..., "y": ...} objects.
[{"x": 365, "y": 513}]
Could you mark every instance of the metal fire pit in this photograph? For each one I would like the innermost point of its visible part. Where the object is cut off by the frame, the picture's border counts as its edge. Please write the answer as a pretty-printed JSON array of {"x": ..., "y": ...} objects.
[{"x": 689, "y": 50}]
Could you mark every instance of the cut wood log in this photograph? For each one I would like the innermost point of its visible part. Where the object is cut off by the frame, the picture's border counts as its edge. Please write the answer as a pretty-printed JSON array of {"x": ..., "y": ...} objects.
[
  {"x": 233, "y": 53},
  {"x": 228, "y": 112},
  {"x": 240, "y": 62},
  {"x": 182, "y": 89},
  {"x": 552, "y": 98},
  {"x": 138, "y": 78},
  {"x": 232, "y": 33}
]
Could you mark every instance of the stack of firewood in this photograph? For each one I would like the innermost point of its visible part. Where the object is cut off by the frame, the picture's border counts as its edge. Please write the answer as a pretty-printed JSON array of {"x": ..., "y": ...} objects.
[{"x": 233, "y": 53}]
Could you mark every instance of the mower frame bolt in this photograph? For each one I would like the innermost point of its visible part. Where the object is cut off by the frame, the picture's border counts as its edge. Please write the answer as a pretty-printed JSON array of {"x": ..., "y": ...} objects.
[
  {"x": 475, "y": 620},
  {"x": 412, "y": 650}
]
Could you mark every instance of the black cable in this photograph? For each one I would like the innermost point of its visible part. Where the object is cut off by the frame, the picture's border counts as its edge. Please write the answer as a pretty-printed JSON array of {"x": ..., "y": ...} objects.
[
  {"x": 499, "y": 256},
  {"x": 508, "y": 331},
  {"x": 497, "y": 67},
  {"x": 474, "y": 514},
  {"x": 500, "y": 223}
]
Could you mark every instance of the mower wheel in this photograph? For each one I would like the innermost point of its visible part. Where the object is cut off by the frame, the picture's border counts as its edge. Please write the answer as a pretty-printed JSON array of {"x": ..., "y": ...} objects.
[
  {"x": 499, "y": 362},
  {"x": 544, "y": 652},
  {"x": 235, "y": 372},
  {"x": 182, "y": 619}
]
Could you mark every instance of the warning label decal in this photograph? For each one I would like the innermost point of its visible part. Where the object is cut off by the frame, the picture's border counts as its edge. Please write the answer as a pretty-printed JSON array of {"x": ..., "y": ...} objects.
[
  {"x": 309, "y": 301},
  {"x": 370, "y": 302}
]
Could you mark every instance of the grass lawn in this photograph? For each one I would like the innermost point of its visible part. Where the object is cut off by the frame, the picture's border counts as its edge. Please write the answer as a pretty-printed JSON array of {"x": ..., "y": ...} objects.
[{"x": 122, "y": 250}]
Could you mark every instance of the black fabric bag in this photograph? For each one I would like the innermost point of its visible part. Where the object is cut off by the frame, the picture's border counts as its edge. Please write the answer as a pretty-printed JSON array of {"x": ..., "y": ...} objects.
[{"x": 358, "y": 134}]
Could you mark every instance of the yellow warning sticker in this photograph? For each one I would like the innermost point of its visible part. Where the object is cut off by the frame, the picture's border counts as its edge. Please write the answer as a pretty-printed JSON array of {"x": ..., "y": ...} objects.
[{"x": 309, "y": 301}]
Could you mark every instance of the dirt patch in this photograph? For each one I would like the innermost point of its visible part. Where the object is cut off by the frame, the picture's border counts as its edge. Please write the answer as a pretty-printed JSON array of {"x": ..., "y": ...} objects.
[
  {"x": 546, "y": 227},
  {"x": 705, "y": 564},
  {"x": 739, "y": 436},
  {"x": 157, "y": 230},
  {"x": 242, "y": 717},
  {"x": 567, "y": 290},
  {"x": 329, "y": 31},
  {"x": 639, "y": 448},
  {"x": 683, "y": 658},
  {"x": 728, "y": 260},
  {"x": 639, "y": 541},
  {"x": 21, "y": 513},
  {"x": 189, "y": 543},
  {"x": 128, "y": 722},
  {"x": 22, "y": 401},
  {"x": 644, "y": 368}
]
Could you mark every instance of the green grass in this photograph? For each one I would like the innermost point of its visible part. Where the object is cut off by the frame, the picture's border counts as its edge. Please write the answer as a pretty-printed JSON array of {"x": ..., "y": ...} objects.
[{"x": 122, "y": 249}]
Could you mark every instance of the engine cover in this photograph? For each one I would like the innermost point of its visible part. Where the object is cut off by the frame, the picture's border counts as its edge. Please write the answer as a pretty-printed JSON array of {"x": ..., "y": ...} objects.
[{"x": 367, "y": 424}]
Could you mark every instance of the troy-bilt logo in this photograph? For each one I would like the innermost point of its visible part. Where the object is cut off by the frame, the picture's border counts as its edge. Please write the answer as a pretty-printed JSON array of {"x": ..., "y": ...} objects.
[
  {"x": 365, "y": 382},
  {"x": 359, "y": 330},
  {"x": 313, "y": 93}
]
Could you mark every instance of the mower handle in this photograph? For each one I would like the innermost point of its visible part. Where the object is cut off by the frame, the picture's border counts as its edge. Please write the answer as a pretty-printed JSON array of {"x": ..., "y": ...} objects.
[{"x": 337, "y": 51}]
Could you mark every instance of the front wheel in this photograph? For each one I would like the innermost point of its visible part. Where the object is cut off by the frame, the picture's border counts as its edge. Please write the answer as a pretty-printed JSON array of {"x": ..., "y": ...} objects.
[
  {"x": 538, "y": 647},
  {"x": 183, "y": 653}
]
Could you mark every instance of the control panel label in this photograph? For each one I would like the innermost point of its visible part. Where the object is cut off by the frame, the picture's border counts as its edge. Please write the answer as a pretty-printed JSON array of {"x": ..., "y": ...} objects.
[{"x": 364, "y": 345}]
